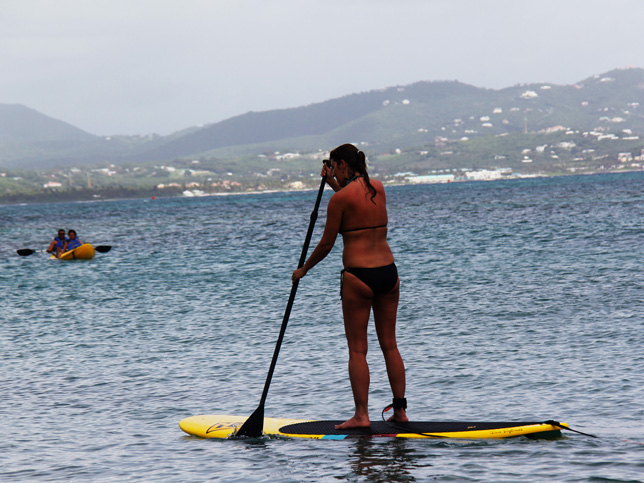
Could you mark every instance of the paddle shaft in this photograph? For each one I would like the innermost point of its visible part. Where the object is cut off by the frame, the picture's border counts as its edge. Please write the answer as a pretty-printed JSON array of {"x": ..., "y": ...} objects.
[
  {"x": 254, "y": 425},
  {"x": 25, "y": 252},
  {"x": 291, "y": 299}
]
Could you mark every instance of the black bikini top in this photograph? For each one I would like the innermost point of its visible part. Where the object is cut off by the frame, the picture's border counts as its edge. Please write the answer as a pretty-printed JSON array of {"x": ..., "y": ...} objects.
[{"x": 365, "y": 228}]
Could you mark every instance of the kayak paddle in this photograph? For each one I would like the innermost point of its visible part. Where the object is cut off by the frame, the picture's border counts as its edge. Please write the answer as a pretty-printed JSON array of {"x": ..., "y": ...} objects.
[
  {"x": 25, "y": 252},
  {"x": 254, "y": 425}
]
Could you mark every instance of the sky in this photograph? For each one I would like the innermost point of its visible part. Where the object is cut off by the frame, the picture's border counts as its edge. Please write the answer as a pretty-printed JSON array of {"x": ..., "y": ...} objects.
[{"x": 132, "y": 67}]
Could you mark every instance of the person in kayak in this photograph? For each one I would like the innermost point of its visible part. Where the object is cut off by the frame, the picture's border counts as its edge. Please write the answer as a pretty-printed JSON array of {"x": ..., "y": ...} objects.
[
  {"x": 57, "y": 245},
  {"x": 72, "y": 242},
  {"x": 369, "y": 280}
]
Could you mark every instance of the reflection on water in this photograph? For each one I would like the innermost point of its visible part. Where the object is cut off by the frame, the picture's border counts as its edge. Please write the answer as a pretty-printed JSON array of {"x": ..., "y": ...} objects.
[{"x": 388, "y": 460}]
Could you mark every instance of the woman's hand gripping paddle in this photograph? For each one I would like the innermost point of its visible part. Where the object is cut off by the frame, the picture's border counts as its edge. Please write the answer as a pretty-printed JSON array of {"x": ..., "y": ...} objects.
[{"x": 254, "y": 425}]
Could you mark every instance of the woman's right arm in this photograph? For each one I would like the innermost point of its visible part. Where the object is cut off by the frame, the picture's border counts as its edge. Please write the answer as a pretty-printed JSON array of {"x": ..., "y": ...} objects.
[
  {"x": 331, "y": 230},
  {"x": 327, "y": 172}
]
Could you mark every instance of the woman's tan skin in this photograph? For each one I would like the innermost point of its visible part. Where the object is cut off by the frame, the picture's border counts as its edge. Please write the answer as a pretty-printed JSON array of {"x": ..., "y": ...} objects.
[{"x": 352, "y": 207}]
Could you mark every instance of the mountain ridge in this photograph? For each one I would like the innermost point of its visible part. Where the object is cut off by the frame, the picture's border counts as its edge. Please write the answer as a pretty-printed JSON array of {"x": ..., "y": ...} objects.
[
  {"x": 20, "y": 123},
  {"x": 395, "y": 117}
]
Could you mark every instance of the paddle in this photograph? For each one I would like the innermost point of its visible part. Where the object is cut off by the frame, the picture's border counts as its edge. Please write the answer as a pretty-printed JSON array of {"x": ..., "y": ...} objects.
[
  {"x": 254, "y": 425},
  {"x": 25, "y": 252}
]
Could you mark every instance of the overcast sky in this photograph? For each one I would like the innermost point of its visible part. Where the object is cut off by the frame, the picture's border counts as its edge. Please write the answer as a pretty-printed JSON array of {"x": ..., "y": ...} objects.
[{"x": 143, "y": 66}]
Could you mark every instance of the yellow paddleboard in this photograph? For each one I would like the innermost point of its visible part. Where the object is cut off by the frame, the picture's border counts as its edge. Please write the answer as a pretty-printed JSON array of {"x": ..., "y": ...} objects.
[{"x": 221, "y": 426}]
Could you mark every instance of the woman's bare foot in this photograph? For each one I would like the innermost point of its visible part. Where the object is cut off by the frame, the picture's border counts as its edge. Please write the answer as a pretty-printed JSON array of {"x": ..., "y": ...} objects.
[
  {"x": 354, "y": 422},
  {"x": 400, "y": 416}
]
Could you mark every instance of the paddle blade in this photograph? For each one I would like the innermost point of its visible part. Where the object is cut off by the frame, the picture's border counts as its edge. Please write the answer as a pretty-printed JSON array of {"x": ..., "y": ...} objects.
[
  {"x": 25, "y": 252},
  {"x": 103, "y": 248},
  {"x": 254, "y": 425}
]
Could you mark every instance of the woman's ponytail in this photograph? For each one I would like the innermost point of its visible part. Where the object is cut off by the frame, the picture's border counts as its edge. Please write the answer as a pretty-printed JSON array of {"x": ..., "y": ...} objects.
[{"x": 357, "y": 161}]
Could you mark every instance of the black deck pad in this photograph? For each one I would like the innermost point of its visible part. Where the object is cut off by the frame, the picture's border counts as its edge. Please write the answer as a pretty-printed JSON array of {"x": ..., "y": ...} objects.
[{"x": 385, "y": 428}]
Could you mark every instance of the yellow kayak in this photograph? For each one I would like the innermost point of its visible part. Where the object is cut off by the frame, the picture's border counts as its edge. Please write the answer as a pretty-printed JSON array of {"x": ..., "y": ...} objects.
[{"x": 83, "y": 252}]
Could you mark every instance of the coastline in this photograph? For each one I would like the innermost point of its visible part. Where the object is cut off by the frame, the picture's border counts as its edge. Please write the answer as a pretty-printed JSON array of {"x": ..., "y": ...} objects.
[{"x": 387, "y": 182}]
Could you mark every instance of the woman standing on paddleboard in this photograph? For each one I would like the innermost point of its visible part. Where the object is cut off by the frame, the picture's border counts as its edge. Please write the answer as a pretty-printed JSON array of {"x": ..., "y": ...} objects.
[{"x": 369, "y": 281}]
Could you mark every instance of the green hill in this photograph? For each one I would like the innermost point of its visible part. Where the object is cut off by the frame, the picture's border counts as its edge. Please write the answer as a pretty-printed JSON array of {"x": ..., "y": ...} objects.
[
  {"x": 421, "y": 117},
  {"x": 417, "y": 115},
  {"x": 21, "y": 125}
]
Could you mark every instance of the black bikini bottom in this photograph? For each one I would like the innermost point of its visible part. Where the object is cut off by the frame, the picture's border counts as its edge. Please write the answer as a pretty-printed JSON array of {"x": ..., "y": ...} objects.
[{"x": 380, "y": 279}]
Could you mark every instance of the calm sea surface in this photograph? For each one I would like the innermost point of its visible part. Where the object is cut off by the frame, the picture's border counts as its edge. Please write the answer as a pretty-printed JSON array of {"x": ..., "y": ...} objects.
[{"x": 521, "y": 300}]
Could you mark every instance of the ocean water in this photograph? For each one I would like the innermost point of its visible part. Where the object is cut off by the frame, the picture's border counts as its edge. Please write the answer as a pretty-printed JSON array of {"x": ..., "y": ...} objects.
[{"x": 520, "y": 300}]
